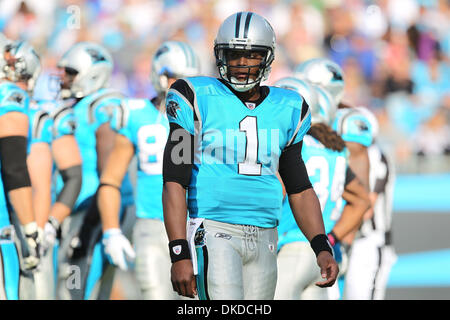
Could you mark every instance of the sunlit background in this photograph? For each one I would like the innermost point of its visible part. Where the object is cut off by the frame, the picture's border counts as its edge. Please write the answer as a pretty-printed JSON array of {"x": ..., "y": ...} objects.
[{"x": 396, "y": 60}]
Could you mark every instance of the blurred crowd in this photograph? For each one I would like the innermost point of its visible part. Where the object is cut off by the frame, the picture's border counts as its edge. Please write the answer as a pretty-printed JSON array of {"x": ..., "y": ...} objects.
[{"x": 395, "y": 53}]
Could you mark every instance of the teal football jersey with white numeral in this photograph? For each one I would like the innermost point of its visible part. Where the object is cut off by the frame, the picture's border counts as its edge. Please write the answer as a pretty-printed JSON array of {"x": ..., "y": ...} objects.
[
  {"x": 12, "y": 99},
  {"x": 237, "y": 148},
  {"x": 147, "y": 129},
  {"x": 327, "y": 173}
]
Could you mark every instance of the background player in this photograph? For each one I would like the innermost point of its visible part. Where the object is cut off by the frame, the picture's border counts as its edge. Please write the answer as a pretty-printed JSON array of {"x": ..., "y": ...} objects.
[
  {"x": 326, "y": 160},
  {"x": 87, "y": 68},
  {"x": 16, "y": 193},
  {"x": 144, "y": 135},
  {"x": 372, "y": 253},
  {"x": 235, "y": 237}
]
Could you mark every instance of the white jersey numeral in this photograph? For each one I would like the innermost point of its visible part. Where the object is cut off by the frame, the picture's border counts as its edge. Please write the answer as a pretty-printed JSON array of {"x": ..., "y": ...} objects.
[
  {"x": 321, "y": 186},
  {"x": 250, "y": 166},
  {"x": 151, "y": 142}
]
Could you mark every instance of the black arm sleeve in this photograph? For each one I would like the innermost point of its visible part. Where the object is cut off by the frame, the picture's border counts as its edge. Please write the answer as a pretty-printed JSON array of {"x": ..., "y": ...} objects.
[
  {"x": 13, "y": 157},
  {"x": 72, "y": 178},
  {"x": 292, "y": 169},
  {"x": 349, "y": 175},
  {"x": 178, "y": 156}
]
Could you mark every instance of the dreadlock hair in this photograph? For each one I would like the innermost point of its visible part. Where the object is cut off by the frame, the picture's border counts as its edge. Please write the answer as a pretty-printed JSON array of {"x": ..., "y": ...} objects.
[{"x": 327, "y": 136}]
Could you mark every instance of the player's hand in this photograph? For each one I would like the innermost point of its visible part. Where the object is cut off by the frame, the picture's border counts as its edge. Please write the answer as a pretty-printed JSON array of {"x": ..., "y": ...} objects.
[
  {"x": 33, "y": 237},
  {"x": 183, "y": 279},
  {"x": 50, "y": 234},
  {"x": 328, "y": 269},
  {"x": 117, "y": 248}
]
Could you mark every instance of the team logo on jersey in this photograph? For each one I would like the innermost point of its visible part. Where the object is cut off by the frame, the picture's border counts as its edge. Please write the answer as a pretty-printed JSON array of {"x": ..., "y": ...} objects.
[
  {"x": 172, "y": 108},
  {"x": 177, "y": 249},
  {"x": 16, "y": 98}
]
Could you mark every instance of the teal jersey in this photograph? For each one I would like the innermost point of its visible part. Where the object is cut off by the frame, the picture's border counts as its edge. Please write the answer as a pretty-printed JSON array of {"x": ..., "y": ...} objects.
[
  {"x": 147, "y": 129},
  {"x": 62, "y": 116},
  {"x": 40, "y": 125},
  {"x": 327, "y": 173},
  {"x": 353, "y": 126},
  {"x": 237, "y": 148},
  {"x": 12, "y": 99},
  {"x": 90, "y": 113}
]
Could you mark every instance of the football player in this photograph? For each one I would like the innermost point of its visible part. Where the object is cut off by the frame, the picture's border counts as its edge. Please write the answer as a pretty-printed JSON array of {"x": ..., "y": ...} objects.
[
  {"x": 16, "y": 193},
  {"x": 326, "y": 160},
  {"x": 144, "y": 134},
  {"x": 228, "y": 138},
  {"x": 372, "y": 252},
  {"x": 350, "y": 123},
  {"x": 87, "y": 68}
]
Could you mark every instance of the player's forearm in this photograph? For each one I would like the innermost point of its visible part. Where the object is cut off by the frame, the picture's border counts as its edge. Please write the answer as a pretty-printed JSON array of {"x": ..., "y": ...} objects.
[
  {"x": 105, "y": 138},
  {"x": 359, "y": 162},
  {"x": 175, "y": 210},
  {"x": 60, "y": 211},
  {"x": 108, "y": 202},
  {"x": 22, "y": 202},
  {"x": 306, "y": 209}
]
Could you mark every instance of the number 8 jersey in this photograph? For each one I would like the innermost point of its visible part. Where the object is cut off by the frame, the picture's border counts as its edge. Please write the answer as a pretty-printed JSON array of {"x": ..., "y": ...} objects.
[
  {"x": 237, "y": 148},
  {"x": 147, "y": 129}
]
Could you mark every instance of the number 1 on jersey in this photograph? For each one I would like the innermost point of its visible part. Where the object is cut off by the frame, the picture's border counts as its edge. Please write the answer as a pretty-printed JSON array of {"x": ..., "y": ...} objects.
[{"x": 250, "y": 166}]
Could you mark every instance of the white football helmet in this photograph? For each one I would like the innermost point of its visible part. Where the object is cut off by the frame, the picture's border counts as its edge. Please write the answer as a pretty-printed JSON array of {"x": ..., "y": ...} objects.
[
  {"x": 24, "y": 64},
  {"x": 173, "y": 59},
  {"x": 93, "y": 66},
  {"x": 372, "y": 120},
  {"x": 244, "y": 31},
  {"x": 4, "y": 42},
  {"x": 320, "y": 102},
  {"x": 325, "y": 73},
  {"x": 302, "y": 87},
  {"x": 327, "y": 107}
]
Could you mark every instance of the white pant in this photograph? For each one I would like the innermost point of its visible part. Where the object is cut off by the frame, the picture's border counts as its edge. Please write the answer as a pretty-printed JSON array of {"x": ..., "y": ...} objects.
[
  {"x": 369, "y": 265},
  {"x": 153, "y": 260},
  {"x": 236, "y": 261},
  {"x": 297, "y": 274}
]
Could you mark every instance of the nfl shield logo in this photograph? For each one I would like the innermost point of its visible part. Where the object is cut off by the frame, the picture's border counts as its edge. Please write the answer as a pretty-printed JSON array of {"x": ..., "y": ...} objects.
[{"x": 177, "y": 249}]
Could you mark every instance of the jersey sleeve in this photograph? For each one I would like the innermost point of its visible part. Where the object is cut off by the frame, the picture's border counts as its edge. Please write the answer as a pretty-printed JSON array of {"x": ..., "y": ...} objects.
[
  {"x": 108, "y": 109},
  {"x": 121, "y": 121},
  {"x": 180, "y": 106},
  {"x": 302, "y": 123},
  {"x": 40, "y": 125},
  {"x": 63, "y": 122},
  {"x": 13, "y": 99}
]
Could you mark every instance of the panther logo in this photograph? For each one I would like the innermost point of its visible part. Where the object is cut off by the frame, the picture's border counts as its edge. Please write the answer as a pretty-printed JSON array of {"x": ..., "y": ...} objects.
[
  {"x": 172, "y": 108},
  {"x": 96, "y": 56}
]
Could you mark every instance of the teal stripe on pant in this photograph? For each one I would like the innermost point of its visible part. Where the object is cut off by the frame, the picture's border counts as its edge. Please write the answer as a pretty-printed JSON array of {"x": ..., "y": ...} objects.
[
  {"x": 11, "y": 270},
  {"x": 95, "y": 269},
  {"x": 201, "y": 278}
]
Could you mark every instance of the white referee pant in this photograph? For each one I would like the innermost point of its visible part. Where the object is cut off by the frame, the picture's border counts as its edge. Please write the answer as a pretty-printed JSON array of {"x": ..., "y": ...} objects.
[{"x": 369, "y": 265}]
